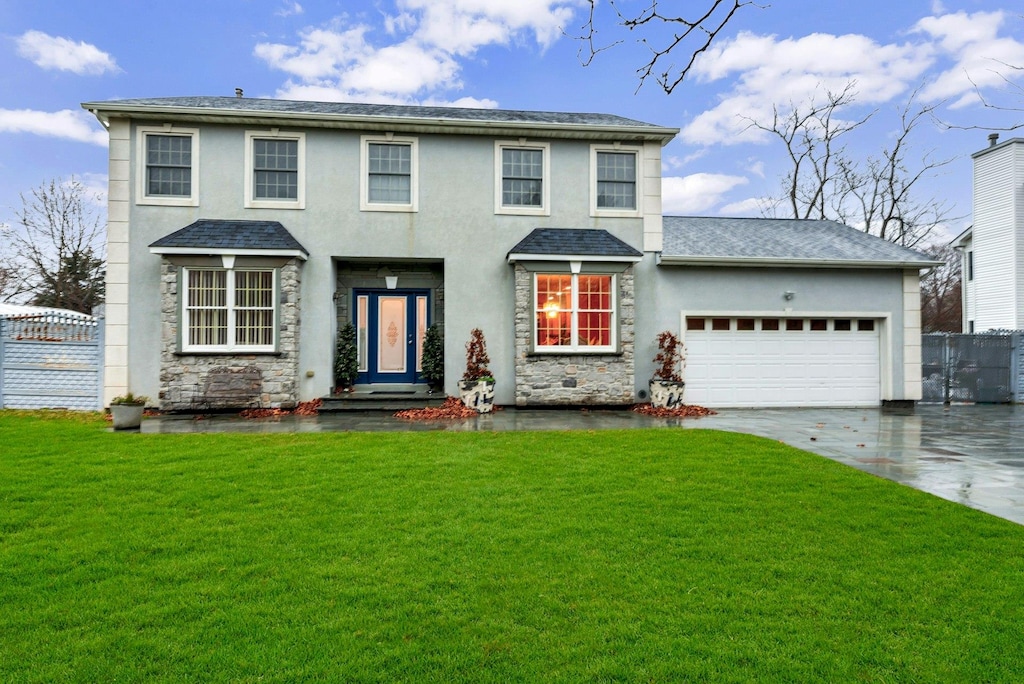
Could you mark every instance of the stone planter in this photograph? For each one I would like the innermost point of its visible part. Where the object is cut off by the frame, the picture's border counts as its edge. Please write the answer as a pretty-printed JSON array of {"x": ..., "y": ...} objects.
[
  {"x": 477, "y": 394},
  {"x": 126, "y": 416},
  {"x": 667, "y": 393}
]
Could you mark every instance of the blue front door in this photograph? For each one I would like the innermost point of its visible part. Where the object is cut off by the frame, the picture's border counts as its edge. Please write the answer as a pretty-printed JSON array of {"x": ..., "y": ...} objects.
[{"x": 390, "y": 326}]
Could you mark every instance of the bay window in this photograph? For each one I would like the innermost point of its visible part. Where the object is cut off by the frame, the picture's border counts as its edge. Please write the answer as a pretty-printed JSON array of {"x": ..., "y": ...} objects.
[
  {"x": 226, "y": 310},
  {"x": 574, "y": 312}
]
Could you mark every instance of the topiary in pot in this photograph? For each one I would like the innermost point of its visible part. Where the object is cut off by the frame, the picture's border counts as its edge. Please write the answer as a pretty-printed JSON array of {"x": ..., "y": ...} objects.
[
  {"x": 667, "y": 384},
  {"x": 477, "y": 385},
  {"x": 433, "y": 358},
  {"x": 346, "y": 359}
]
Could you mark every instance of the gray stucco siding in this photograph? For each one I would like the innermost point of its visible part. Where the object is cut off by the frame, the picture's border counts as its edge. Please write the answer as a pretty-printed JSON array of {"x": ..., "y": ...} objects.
[
  {"x": 456, "y": 224},
  {"x": 664, "y": 293}
]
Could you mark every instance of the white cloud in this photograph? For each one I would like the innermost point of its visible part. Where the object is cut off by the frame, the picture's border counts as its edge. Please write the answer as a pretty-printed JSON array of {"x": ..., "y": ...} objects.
[
  {"x": 748, "y": 207},
  {"x": 771, "y": 71},
  {"x": 289, "y": 9},
  {"x": 419, "y": 53},
  {"x": 52, "y": 52},
  {"x": 980, "y": 56},
  {"x": 697, "y": 192},
  {"x": 67, "y": 123}
]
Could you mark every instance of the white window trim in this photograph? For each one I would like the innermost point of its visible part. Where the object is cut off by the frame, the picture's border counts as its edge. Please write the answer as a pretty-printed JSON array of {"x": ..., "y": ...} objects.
[
  {"x": 616, "y": 213},
  {"x": 274, "y": 134},
  {"x": 140, "y": 171},
  {"x": 545, "y": 208},
  {"x": 577, "y": 348},
  {"x": 364, "y": 174},
  {"x": 230, "y": 298}
]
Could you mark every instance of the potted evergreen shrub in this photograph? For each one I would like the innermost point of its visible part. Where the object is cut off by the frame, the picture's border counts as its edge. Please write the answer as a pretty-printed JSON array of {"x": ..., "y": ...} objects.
[
  {"x": 346, "y": 359},
  {"x": 477, "y": 385},
  {"x": 126, "y": 411},
  {"x": 433, "y": 358},
  {"x": 667, "y": 384}
]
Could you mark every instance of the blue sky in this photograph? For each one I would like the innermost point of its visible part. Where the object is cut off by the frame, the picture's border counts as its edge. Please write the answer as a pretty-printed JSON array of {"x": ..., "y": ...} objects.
[{"x": 514, "y": 54}]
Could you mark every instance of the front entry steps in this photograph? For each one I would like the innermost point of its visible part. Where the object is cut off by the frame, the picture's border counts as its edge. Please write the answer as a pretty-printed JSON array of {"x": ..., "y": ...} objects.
[{"x": 382, "y": 398}]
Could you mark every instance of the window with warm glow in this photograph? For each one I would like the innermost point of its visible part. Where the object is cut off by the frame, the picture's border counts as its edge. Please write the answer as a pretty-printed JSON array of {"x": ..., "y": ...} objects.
[{"x": 575, "y": 312}]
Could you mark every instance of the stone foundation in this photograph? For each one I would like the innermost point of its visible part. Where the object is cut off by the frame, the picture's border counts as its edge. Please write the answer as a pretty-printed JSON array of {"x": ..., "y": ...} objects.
[
  {"x": 573, "y": 379},
  {"x": 184, "y": 378}
]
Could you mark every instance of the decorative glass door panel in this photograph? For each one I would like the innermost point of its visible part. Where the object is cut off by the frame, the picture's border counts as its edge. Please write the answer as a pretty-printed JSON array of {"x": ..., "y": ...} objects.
[
  {"x": 390, "y": 325},
  {"x": 391, "y": 342}
]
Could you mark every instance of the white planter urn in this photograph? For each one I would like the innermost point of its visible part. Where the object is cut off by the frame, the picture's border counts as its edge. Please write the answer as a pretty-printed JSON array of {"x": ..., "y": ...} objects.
[
  {"x": 667, "y": 393},
  {"x": 477, "y": 394},
  {"x": 126, "y": 416}
]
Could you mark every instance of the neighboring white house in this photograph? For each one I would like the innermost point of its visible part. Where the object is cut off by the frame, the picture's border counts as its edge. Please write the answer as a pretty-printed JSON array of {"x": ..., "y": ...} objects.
[
  {"x": 244, "y": 232},
  {"x": 992, "y": 249}
]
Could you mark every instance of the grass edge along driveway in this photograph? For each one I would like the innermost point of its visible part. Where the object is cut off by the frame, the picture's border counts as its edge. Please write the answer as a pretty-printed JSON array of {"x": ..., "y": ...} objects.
[{"x": 644, "y": 555}]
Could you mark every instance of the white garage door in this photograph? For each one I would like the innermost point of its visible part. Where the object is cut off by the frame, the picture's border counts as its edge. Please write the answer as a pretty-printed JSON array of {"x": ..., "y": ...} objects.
[{"x": 782, "y": 361}]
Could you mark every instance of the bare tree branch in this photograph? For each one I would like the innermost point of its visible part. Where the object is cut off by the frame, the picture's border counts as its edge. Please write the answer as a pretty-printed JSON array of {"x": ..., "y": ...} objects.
[
  {"x": 941, "y": 304},
  {"x": 878, "y": 194},
  {"x": 693, "y": 36}
]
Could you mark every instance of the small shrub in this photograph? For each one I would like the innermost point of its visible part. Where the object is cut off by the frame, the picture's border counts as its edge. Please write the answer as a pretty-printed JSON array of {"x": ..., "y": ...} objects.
[
  {"x": 129, "y": 399},
  {"x": 433, "y": 357},
  {"x": 346, "y": 358}
]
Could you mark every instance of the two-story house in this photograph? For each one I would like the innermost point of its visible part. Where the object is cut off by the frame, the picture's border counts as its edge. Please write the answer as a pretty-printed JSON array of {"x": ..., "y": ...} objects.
[
  {"x": 244, "y": 232},
  {"x": 992, "y": 249}
]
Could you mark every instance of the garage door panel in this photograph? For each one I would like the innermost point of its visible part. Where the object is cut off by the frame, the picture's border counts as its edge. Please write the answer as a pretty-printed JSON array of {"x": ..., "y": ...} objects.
[{"x": 783, "y": 368}]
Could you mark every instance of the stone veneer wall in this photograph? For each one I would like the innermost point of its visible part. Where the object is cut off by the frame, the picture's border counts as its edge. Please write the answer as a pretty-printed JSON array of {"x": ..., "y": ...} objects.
[
  {"x": 573, "y": 379},
  {"x": 182, "y": 376}
]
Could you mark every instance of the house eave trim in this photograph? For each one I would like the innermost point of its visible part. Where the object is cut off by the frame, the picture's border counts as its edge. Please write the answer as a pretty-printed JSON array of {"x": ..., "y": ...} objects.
[
  {"x": 664, "y": 260},
  {"x": 105, "y": 111},
  {"x": 225, "y": 251},
  {"x": 521, "y": 256}
]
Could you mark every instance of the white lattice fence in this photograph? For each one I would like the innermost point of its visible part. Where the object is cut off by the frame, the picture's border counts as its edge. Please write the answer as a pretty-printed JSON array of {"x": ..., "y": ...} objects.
[{"x": 51, "y": 360}]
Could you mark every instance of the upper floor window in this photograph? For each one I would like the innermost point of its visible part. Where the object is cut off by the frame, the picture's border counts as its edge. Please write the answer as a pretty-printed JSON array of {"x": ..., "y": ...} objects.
[
  {"x": 227, "y": 310},
  {"x": 167, "y": 174},
  {"x": 615, "y": 181},
  {"x": 389, "y": 175},
  {"x": 970, "y": 266},
  {"x": 275, "y": 169},
  {"x": 574, "y": 312},
  {"x": 523, "y": 173}
]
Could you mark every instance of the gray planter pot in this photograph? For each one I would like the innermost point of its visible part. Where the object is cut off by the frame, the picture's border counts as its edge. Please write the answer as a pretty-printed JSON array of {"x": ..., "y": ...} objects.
[
  {"x": 667, "y": 393},
  {"x": 126, "y": 416},
  {"x": 477, "y": 394}
]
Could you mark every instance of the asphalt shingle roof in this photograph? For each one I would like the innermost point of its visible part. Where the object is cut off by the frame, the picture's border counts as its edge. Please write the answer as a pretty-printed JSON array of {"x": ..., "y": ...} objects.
[
  {"x": 351, "y": 109},
  {"x": 779, "y": 239},
  {"x": 574, "y": 241},
  {"x": 222, "y": 234}
]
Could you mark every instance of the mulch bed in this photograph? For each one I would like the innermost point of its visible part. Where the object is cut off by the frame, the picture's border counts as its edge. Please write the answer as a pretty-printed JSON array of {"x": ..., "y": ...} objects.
[
  {"x": 678, "y": 412},
  {"x": 452, "y": 409},
  {"x": 305, "y": 408}
]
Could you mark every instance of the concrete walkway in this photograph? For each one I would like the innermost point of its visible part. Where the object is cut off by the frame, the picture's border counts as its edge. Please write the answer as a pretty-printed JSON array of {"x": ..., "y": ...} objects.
[{"x": 973, "y": 455}]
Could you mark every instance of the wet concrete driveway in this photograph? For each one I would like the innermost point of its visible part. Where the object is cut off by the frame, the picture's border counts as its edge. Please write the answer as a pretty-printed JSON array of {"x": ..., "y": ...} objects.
[{"x": 971, "y": 454}]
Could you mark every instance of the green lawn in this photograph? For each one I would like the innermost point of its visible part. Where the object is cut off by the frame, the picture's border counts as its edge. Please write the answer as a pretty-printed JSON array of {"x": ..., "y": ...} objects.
[{"x": 647, "y": 555}]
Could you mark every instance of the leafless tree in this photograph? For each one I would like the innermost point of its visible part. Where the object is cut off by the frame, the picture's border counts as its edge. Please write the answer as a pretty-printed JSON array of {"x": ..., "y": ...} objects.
[
  {"x": 941, "y": 305},
  {"x": 879, "y": 194},
  {"x": 665, "y": 35},
  {"x": 59, "y": 246}
]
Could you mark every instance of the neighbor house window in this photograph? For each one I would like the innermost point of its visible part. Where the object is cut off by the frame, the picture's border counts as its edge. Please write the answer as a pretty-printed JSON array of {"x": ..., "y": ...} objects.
[
  {"x": 574, "y": 312},
  {"x": 275, "y": 174},
  {"x": 970, "y": 266},
  {"x": 523, "y": 178},
  {"x": 614, "y": 174},
  {"x": 389, "y": 174},
  {"x": 229, "y": 310},
  {"x": 167, "y": 171}
]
